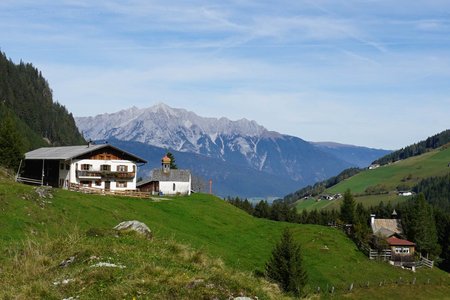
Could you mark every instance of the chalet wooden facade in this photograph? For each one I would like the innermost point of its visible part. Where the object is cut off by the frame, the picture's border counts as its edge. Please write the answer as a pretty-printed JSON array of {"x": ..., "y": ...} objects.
[
  {"x": 103, "y": 167},
  {"x": 402, "y": 251}
]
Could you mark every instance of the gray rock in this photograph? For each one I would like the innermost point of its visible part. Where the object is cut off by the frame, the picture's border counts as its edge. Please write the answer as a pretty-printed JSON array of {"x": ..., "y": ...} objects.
[
  {"x": 137, "y": 226},
  {"x": 44, "y": 191},
  {"x": 67, "y": 262}
]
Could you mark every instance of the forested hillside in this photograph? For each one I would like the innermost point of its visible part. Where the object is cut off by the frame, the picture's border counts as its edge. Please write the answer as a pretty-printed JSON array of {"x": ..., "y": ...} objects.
[
  {"x": 27, "y": 98},
  {"x": 320, "y": 187},
  {"x": 421, "y": 147}
]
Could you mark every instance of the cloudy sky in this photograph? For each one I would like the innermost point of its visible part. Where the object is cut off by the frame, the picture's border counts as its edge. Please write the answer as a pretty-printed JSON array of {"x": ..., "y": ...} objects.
[{"x": 365, "y": 72}]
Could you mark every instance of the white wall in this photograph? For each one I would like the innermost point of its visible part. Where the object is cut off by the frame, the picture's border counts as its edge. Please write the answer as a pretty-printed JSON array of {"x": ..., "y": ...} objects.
[
  {"x": 166, "y": 187},
  {"x": 76, "y": 165}
]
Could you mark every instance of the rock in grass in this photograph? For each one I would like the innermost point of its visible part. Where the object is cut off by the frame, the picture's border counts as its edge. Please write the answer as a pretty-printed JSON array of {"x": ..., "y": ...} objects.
[
  {"x": 44, "y": 191},
  {"x": 67, "y": 262},
  {"x": 136, "y": 226}
]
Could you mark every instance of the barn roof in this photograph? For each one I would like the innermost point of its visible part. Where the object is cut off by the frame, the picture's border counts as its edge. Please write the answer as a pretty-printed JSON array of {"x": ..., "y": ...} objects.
[
  {"x": 394, "y": 241},
  {"x": 386, "y": 227},
  {"x": 71, "y": 152}
]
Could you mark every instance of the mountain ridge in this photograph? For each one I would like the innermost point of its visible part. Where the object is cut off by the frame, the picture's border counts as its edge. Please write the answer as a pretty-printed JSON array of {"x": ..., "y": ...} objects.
[{"x": 242, "y": 143}]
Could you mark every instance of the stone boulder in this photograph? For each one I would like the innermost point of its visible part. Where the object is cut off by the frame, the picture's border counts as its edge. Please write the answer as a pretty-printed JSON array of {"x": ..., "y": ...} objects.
[{"x": 136, "y": 226}]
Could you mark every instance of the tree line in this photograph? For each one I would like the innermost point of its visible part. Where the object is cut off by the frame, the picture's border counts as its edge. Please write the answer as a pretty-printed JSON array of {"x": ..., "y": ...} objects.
[
  {"x": 424, "y": 224},
  {"x": 419, "y": 148},
  {"x": 319, "y": 187}
]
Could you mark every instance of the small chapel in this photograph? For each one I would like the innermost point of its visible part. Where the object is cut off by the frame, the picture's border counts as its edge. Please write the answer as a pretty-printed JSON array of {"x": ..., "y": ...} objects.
[{"x": 167, "y": 181}]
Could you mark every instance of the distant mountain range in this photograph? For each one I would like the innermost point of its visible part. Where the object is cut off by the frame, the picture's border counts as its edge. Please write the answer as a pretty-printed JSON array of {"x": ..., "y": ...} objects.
[{"x": 241, "y": 157}]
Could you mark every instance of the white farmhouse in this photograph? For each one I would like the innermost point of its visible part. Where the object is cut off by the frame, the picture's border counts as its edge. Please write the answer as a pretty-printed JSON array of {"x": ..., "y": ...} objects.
[
  {"x": 167, "y": 181},
  {"x": 102, "y": 167}
]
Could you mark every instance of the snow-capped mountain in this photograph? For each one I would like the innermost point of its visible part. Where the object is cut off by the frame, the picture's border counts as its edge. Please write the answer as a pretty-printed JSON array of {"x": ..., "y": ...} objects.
[
  {"x": 176, "y": 129},
  {"x": 240, "y": 143}
]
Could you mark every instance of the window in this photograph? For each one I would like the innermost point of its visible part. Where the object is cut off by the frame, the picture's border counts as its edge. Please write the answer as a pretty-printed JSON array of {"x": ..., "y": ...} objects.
[
  {"x": 98, "y": 183},
  {"x": 105, "y": 168},
  {"x": 122, "y": 168},
  {"x": 61, "y": 166},
  {"x": 67, "y": 167},
  {"x": 86, "y": 167},
  {"x": 121, "y": 184},
  {"x": 86, "y": 183},
  {"x": 401, "y": 250},
  {"x": 174, "y": 187}
]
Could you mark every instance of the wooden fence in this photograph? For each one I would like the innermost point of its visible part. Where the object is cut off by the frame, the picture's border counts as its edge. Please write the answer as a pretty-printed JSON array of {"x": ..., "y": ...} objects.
[
  {"x": 128, "y": 193},
  {"x": 29, "y": 180},
  {"x": 425, "y": 262}
]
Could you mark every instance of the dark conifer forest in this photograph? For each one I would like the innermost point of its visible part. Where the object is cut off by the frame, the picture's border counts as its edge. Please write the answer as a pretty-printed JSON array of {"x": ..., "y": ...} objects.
[
  {"x": 29, "y": 117},
  {"x": 26, "y": 94}
]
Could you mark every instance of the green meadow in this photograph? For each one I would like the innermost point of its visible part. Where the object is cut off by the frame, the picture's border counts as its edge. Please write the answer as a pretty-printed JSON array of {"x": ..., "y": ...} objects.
[
  {"x": 408, "y": 172},
  {"x": 405, "y": 173},
  {"x": 203, "y": 247}
]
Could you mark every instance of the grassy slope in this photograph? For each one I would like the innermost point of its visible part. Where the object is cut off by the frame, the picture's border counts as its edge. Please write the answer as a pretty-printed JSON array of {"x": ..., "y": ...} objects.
[
  {"x": 203, "y": 222},
  {"x": 433, "y": 163},
  {"x": 409, "y": 171}
]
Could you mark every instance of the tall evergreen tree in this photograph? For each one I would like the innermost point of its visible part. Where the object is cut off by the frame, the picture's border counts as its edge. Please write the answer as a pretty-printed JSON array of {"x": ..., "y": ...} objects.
[
  {"x": 262, "y": 210},
  {"x": 425, "y": 234},
  {"x": 285, "y": 265},
  {"x": 420, "y": 226},
  {"x": 11, "y": 144},
  {"x": 348, "y": 208},
  {"x": 173, "y": 165}
]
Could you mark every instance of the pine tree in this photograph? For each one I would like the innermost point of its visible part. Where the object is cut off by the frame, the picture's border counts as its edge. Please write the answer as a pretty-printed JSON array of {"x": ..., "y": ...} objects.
[
  {"x": 425, "y": 234},
  {"x": 348, "y": 208},
  {"x": 173, "y": 165},
  {"x": 11, "y": 144},
  {"x": 262, "y": 210},
  {"x": 285, "y": 265}
]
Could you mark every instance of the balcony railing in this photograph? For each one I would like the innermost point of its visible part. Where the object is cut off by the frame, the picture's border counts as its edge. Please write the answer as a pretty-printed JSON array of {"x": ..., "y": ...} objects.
[{"x": 105, "y": 174}]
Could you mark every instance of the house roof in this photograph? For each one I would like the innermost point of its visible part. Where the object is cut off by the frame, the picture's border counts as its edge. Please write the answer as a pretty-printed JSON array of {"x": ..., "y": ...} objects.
[
  {"x": 394, "y": 241},
  {"x": 386, "y": 227},
  {"x": 173, "y": 175},
  {"x": 70, "y": 152}
]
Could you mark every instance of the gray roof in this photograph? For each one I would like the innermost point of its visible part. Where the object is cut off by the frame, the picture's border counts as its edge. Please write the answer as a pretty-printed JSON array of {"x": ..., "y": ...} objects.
[
  {"x": 70, "y": 152},
  {"x": 386, "y": 227},
  {"x": 173, "y": 175}
]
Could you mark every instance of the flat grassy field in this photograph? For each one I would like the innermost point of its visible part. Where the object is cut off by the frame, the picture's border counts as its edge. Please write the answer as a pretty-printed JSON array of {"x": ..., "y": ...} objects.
[
  {"x": 201, "y": 223},
  {"x": 409, "y": 171}
]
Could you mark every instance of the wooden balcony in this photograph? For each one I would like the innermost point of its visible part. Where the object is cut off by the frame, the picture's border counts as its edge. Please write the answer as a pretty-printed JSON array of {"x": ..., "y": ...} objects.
[{"x": 97, "y": 174}]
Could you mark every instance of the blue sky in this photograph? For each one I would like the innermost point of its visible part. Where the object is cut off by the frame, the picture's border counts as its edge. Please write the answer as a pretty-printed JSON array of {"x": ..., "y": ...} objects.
[{"x": 366, "y": 72}]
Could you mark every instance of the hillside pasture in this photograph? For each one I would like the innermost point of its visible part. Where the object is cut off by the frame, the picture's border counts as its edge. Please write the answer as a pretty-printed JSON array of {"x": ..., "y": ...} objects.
[
  {"x": 203, "y": 223},
  {"x": 405, "y": 172}
]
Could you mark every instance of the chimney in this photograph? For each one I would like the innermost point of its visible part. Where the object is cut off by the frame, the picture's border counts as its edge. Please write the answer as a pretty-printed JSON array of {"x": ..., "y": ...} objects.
[{"x": 372, "y": 219}]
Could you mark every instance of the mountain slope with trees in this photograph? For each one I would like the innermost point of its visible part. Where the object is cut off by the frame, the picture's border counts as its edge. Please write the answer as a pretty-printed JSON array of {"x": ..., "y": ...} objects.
[
  {"x": 419, "y": 148},
  {"x": 25, "y": 93}
]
